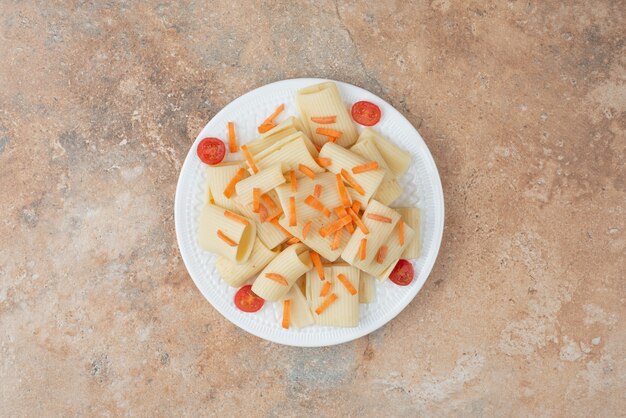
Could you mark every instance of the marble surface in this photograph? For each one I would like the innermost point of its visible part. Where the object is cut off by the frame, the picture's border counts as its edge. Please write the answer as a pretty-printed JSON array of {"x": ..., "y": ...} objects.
[{"x": 522, "y": 103}]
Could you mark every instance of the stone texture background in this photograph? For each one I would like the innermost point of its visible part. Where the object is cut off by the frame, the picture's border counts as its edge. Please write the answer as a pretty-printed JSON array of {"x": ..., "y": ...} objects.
[{"x": 522, "y": 103}]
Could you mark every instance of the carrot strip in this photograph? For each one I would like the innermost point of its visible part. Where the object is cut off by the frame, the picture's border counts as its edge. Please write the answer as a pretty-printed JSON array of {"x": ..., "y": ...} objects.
[
  {"x": 329, "y": 132},
  {"x": 275, "y": 216},
  {"x": 317, "y": 191},
  {"x": 336, "y": 240},
  {"x": 341, "y": 188},
  {"x": 358, "y": 221},
  {"x": 331, "y": 139},
  {"x": 330, "y": 299},
  {"x": 323, "y": 162},
  {"x": 262, "y": 213},
  {"x": 352, "y": 182},
  {"x": 278, "y": 111},
  {"x": 317, "y": 147},
  {"x": 256, "y": 199},
  {"x": 232, "y": 138},
  {"x": 306, "y": 171},
  {"x": 344, "y": 280},
  {"x": 382, "y": 253},
  {"x": 379, "y": 218},
  {"x": 356, "y": 206},
  {"x": 246, "y": 153},
  {"x": 236, "y": 217},
  {"x": 293, "y": 221},
  {"x": 341, "y": 212},
  {"x": 230, "y": 188},
  {"x": 401, "y": 232},
  {"x": 305, "y": 229},
  {"x": 293, "y": 180},
  {"x": 270, "y": 202},
  {"x": 373, "y": 165},
  {"x": 317, "y": 262},
  {"x": 279, "y": 226},
  {"x": 324, "y": 120},
  {"x": 326, "y": 288},
  {"x": 363, "y": 249},
  {"x": 317, "y": 205},
  {"x": 225, "y": 238},
  {"x": 293, "y": 240},
  {"x": 264, "y": 127},
  {"x": 277, "y": 278},
  {"x": 286, "y": 313},
  {"x": 334, "y": 226}
]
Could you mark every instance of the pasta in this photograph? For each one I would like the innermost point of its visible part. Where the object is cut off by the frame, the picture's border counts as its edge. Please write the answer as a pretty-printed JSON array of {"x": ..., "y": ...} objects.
[
  {"x": 344, "y": 311},
  {"x": 266, "y": 231},
  {"x": 411, "y": 217},
  {"x": 219, "y": 177},
  {"x": 300, "y": 316},
  {"x": 324, "y": 100},
  {"x": 397, "y": 159},
  {"x": 265, "y": 180},
  {"x": 291, "y": 263},
  {"x": 367, "y": 288},
  {"x": 290, "y": 126},
  {"x": 237, "y": 274},
  {"x": 215, "y": 229},
  {"x": 290, "y": 152},
  {"x": 388, "y": 192},
  {"x": 314, "y": 240},
  {"x": 393, "y": 252}
]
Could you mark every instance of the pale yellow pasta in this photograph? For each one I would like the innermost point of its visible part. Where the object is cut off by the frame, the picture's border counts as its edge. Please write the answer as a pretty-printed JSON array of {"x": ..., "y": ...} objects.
[
  {"x": 388, "y": 192},
  {"x": 289, "y": 152},
  {"x": 368, "y": 150},
  {"x": 355, "y": 196},
  {"x": 324, "y": 100},
  {"x": 396, "y": 158},
  {"x": 344, "y": 311},
  {"x": 342, "y": 158},
  {"x": 266, "y": 231},
  {"x": 300, "y": 315},
  {"x": 314, "y": 240},
  {"x": 412, "y": 217},
  {"x": 265, "y": 180},
  {"x": 394, "y": 252},
  {"x": 288, "y": 127},
  {"x": 291, "y": 263},
  {"x": 238, "y": 274},
  {"x": 218, "y": 178},
  {"x": 367, "y": 288},
  {"x": 212, "y": 220}
]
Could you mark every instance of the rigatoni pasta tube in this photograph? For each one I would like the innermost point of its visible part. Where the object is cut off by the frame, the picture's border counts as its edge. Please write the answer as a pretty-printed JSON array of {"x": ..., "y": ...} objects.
[
  {"x": 237, "y": 274},
  {"x": 266, "y": 231},
  {"x": 218, "y": 178},
  {"x": 344, "y": 311},
  {"x": 213, "y": 223},
  {"x": 319, "y": 244},
  {"x": 291, "y": 263},
  {"x": 300, "y": 312},
  {"x": 290, "y": 152},
  {"x": 388, "y": 192},
  {"x": 288, "y": 127},
  {"x": 394, "y": 251},
  {"x": 397, "y": 159},
  {"x": 369, "y": 151},
  {"x": 411, "y": 217},
  {"x": 265, "y": 180},
  {"x": 367, "y": 288}
]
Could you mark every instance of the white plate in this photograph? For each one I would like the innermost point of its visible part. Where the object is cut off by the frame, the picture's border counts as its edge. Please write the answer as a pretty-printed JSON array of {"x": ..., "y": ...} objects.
[{"x": 421, "y": 183}]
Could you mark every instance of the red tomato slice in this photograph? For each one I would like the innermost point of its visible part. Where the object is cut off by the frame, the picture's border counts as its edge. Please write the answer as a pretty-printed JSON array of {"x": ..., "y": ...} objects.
[
  {"x": 402, "y": 273},
  {"x": 366, "y": 113},
  {"x": 211, "y": 150},
  {"x": 247, "y": 300}
]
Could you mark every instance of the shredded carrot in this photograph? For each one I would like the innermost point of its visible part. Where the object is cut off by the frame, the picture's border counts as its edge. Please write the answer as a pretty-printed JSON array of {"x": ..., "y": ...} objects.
[
  {"x": 323, "y": 162},
  {"x": 266, "y": 126},
  {"x": 336, "y": 240},
  {"x": 373, "y": 165},
  {"x": 344, "y": 280},
  {"x": 246, "y": 153},
  {"x": 341, "y": 212},
  {"x": 334, "y": 226},
  {"x": 293, "y": 221},
  {"x": 270, "y": 202},
  {"x": 256, "y": 199},
  {"x": 293, "y": 180},
  {"x": 225, "y": 238},
  {"x": 356, "y": 206},
  {"x": 277, "y": 278},
  {"x": 379, "y": 218},
  {"x": 363, "y": 249},
  {"x": 277, "y": 112},
  {"x": 326, "y": 288},
  {"x": 306, "y": 228},
  {"x": 331, "y": 139},
  {"x": 317, "y": 147},
  {"x": 317, "y": 205},
  {"x": 279, "y": 226},
  {"x": 293, "y": 240},
  {"x": 262, "y": 213},
  {"x": 401, "y": 232},
  {"x": 317, "y": 262},
  {"x": 330, "y": 299},
  {"x": 236, "y": 217},
  {"x": 382, "y": 253},
  {"x": 352, "y": 182},
  {"x": 358, "y": 221},
  {"x": 306, "y": 171},
  {"x": 317, "y": 191},
  {"x": 341, "y": 188},
  {"x": 329, "y": 132},
  {"x": 275, "y": 216},
  {"x": 324, "y": 120},
  {"x": 286, "y": 313},
  {"x": 232, "y": 139},
  {"x": 230, "y": 188}
]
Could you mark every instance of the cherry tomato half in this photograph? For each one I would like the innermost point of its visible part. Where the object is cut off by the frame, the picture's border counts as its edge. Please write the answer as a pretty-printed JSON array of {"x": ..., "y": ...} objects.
[
  {"x": 366, "y": 113},
  {"x": 247, "y": 300},
  {"x": 211, "y": 150},
  {"x": 402, "y": 273}
]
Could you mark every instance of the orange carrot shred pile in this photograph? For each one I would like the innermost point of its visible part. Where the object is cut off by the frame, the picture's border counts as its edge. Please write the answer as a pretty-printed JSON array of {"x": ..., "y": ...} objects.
[
  {"x": 382, "y": 253},
  {"x": 323, "y": 162},
  {"x": 317, "y": 262},
  {"x": 356, "y": 206},
  {"x": 379, "y": 218},
  {"x": 344, "y": 280},
  {"x": 306, "y": 228},
  {"x": 326, "y": 288},
  {"x": 358, "y": 221},
  {"x": 269, "y": 122},
  {"x": 343, "y": 193},
  {"x": 334, "y": 226},
  {"x": 292, "y": 212},
  {"x": 363, "y": 249},
  {"x": 256, "y": 199},
  {"x": 317, "y": 191},
  {"x": 246, "y": 153},
  {"x": 230, "y": 188},
  {"x": 352, "y": 182},
  {"x": 275, "y": 216},
  {"x": 330, "y": 299},
  {"x": 236, "y": 217},
  {"x": 329, "y": 132},
  {"x": 341, "y": 212},
  {"x": 286, "y": 313},
  {"x": 232, "y": 139},
  {"x": 277, "y": 278},
  {"x": 401, "y": 232},
  {"x": 317, "y": 205},
  {"x": 306, "y": 171},
  {"x": 324, "y": 120},
  {"x": 225, "y": 238},
  {"x": 336, "y": 240},
  {"x": 270, "y": 202},
  {"x": 373, "y": 165},
  {"x": 262, "y": 213}
]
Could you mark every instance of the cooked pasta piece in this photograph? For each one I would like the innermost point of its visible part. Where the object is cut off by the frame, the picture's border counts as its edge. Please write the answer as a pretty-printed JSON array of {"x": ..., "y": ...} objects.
[
  {"x": 290, "y": 126},
  {"x": 411, "y": 217},
  {"x": 324, "y": 99},
  {"x": 291, "y": 263},
  {"x": 397, "y": 159},
  {"x": 268, "y": 233},
  {"x": 368, "y": 150},
  {"x": 344, "y": 311},
  {"x": 367, "y": 288},
  {"x": 218, "y": 178},
  {"x": 237, "y": 274},
  {"x": 300, "y": 315},
  {"x": 388, "y": 192},
  {"x": 314, "y": 240},
  {"x": 290, "y": 152},
  {"x": 217, "y": 233},
  {"x": 265, "y": 180},
  {"x": 394, "y": 252}
]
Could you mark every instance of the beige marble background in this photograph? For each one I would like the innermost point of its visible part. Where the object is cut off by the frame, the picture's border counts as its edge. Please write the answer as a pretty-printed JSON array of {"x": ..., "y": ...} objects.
[{"x": 522, "y": 103}]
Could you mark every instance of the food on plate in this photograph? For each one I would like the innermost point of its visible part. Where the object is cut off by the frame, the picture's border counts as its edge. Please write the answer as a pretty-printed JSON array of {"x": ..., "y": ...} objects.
[
  {"x": 223, "y": 235},
  {"x": 247, "y": 301},
  {"x": 211, "y": 150},
  {"x": 402, "y": 273},
  {"x": 365, "y": 113}
]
